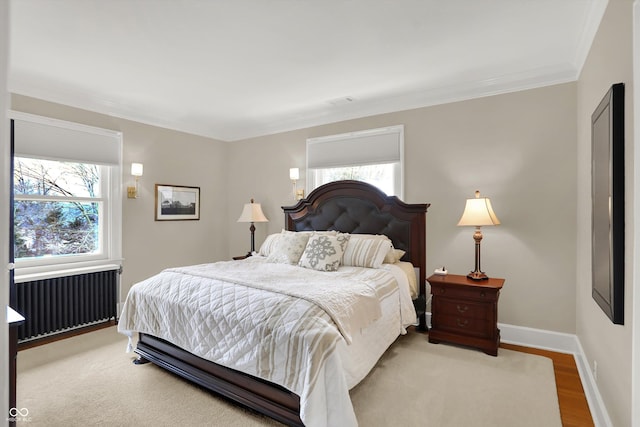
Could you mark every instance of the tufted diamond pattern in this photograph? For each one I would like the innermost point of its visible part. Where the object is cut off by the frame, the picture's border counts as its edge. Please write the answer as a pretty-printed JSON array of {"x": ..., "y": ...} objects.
[{"x": 363, "y": 217}]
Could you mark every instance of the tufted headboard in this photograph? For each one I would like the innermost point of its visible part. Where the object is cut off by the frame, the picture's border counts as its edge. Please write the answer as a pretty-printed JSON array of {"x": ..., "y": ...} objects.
[{"x": 360, "y": 208}]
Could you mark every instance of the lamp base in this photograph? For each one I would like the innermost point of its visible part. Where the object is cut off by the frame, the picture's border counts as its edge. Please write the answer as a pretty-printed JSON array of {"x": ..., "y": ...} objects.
[{"x": 477, "y": 275}]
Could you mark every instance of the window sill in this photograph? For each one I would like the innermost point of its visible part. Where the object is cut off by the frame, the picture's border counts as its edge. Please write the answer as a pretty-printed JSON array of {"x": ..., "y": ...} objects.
[{"x": 27, "y": 274}]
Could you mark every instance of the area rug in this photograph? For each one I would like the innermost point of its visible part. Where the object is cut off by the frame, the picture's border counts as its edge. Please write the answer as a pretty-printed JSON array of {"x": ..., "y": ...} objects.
[{"x": 89, "y": 380}]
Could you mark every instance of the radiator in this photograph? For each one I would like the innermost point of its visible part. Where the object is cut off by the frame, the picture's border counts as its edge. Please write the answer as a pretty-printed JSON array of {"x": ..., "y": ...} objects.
[{"x": 59, "y": 304}]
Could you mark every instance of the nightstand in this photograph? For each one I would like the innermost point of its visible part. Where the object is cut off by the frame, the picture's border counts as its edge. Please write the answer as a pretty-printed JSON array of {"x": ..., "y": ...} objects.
[{"x": 465, "y": 311}]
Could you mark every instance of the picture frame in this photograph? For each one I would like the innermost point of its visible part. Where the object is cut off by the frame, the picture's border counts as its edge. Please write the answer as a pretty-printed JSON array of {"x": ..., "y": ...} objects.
[
  {"x": 608, "y": 205},
  {"x": 177, "y": 203}
]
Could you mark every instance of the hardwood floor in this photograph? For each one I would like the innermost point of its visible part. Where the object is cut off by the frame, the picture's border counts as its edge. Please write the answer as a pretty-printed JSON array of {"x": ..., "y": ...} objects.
[{"x": 574, "y": 409}]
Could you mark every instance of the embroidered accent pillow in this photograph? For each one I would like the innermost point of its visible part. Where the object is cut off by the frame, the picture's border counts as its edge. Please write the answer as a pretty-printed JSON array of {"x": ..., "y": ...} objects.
[
  {"x": 289, "y": 247},
  {"x": 324, "y": 252},
  {"x": 366, "y": 250}
]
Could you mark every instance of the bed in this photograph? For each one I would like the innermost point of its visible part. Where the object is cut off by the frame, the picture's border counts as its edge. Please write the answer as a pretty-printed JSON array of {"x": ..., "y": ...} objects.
[{"x": 330, "y": 366}]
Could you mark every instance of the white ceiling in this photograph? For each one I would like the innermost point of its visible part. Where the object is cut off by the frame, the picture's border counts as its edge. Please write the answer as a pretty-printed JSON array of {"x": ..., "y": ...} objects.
[{"x": 233, "y": 69}]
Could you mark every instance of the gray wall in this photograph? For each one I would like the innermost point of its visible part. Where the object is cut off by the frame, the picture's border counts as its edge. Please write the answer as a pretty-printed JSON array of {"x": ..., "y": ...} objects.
[
  {"x": 169, "y": 157},
  {"x": 609, "y": 61},
  {"x": 519, "y": 149}
]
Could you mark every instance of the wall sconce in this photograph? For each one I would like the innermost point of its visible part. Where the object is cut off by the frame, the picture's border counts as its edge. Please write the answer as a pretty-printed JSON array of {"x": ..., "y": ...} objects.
[
  {"x": 294, "y": 175},
  {"x": 136, "y": 170},
  {"x": 478, "y": 212}
]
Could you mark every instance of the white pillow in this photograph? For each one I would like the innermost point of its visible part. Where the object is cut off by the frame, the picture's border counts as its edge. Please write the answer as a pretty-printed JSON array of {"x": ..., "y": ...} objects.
[
  {"x": 393, "y": 255},
  {"x": 366, "y": 250},
  {"x": 289, "y": 247},
  {"x": 328, "y": 232},
  {"x": 269, "y": 244},
  {"x": 324, "y": 252}
]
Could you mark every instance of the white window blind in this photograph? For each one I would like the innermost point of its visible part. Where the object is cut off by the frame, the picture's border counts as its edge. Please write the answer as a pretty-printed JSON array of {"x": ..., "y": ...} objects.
[
  {"x": 374, "y": 146},
  {"x": 375, "y": 156},
  {"x": 46, "y": 138}
]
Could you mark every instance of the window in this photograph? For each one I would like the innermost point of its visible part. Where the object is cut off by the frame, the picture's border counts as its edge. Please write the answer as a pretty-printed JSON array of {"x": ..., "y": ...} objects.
[
  {"x": 374, "y": 156},
  {"x": 58, "y": 209},
  {"x": 66, "y": 194}
]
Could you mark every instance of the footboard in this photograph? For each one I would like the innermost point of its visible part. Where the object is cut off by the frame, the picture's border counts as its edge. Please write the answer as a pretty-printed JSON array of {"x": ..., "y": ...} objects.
[{"x": 257, "y": 394}]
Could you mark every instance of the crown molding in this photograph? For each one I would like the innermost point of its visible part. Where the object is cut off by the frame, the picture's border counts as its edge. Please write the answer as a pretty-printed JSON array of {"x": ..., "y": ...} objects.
[
  {"x": 419, "y": 99},
  {"x": 325, "y": 114},
  {"x": 590, "y": 28}
]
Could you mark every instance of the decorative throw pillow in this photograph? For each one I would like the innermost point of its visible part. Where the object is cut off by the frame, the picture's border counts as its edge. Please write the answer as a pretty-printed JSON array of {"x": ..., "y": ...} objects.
[
  {"x": 328, "y": 232},
  {"x": 366, "y": 250},
  {"x": 324, "y": 252},
  {"x": 289, "y": 248},
  {"x": 269, "y": 244},
  {"x": 393, "y": 256}
]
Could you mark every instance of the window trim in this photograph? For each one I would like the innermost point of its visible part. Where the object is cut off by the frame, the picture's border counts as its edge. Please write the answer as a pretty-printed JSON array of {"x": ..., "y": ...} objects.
[{"x": 111, "y": 197}]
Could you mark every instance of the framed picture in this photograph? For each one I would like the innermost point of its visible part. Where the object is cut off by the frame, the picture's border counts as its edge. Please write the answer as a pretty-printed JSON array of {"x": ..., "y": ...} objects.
[
  {"x": 607, "y": 194},
  {"x": 177, "y": 203}
]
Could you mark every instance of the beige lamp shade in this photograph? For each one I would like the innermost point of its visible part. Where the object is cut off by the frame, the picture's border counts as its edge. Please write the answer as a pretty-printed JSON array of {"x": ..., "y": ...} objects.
[
  {"x": 252, "y": 212},
  {"x": 478, "y": 212}
]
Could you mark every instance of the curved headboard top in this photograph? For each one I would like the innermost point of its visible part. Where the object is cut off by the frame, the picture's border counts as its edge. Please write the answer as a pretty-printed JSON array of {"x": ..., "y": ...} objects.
[{"x": 359, "y": 208}]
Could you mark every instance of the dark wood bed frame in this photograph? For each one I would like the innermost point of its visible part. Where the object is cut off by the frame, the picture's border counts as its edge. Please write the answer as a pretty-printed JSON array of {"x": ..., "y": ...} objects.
[{"x": 346, "y": 206}]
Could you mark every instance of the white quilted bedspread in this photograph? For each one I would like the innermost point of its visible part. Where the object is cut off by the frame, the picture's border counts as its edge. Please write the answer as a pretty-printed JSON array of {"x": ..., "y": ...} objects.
[{"x": 274, "y": 321}]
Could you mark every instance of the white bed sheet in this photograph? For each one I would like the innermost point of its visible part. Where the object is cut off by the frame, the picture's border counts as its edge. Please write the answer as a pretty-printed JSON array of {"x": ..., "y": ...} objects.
[{"x": 371, "y": 342}]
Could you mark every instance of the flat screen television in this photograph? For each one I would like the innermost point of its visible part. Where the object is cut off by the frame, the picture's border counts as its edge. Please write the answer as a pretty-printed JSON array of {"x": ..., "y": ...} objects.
[{"x": 607, "y": 193}]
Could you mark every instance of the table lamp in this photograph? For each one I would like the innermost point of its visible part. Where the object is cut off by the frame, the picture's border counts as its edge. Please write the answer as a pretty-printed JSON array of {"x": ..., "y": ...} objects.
[
  {"x": 478, "y": 212},
  {"x": 252, "y": 212}
]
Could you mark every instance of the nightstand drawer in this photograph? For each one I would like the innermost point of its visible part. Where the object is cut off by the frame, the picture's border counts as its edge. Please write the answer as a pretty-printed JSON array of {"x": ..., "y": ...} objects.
[
  {"x": 464, "y": 325},
  {"x": 464, "y": 308},
  {"x": 478, "y": 294}
]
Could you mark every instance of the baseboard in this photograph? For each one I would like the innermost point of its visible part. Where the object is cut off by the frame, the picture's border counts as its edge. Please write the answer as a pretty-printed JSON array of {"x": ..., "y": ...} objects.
[
  {"x": 539, "y": 338},
  {"x": 562, "y": 343}
]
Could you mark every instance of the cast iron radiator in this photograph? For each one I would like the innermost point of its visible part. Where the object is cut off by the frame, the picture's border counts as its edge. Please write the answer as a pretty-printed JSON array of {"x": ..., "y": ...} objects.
[{"x": 59, "y": 304}]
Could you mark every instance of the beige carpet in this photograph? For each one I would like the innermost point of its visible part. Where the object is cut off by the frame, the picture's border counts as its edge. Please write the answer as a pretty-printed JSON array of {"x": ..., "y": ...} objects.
[{"x": 90, "y": 380}]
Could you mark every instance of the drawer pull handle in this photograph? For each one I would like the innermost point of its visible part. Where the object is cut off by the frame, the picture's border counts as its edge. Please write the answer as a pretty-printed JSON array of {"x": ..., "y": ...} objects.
[
  {"x": 482, "y": 294},
  {"x": 462, "y": 323},
  {"x": 441, "y": 290},
  {"x": 462, "y": 308}
]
